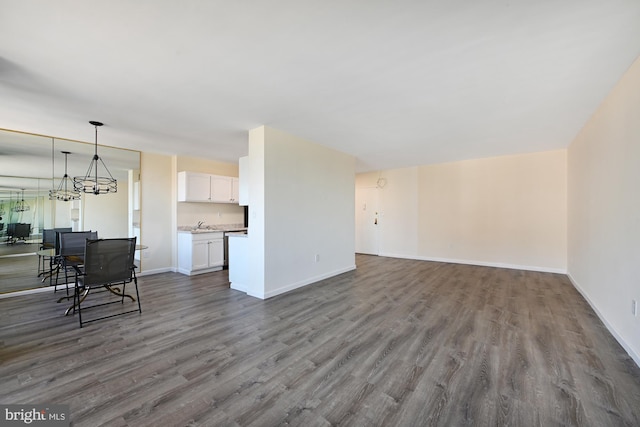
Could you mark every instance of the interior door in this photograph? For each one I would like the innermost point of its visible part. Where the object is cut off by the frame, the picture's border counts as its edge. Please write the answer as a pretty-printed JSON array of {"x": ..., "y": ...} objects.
[{"x": 367, "y": 219}]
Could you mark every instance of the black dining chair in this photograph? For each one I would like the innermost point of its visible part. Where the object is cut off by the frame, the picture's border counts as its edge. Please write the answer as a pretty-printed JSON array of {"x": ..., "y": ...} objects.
[
  {"x": 108, "y": 265},
  {"x": 70, "y": 252},
  {"x": 18, "y": 231},
  {"x": 49, "y": 236},
  {"x": 49, "y": 242}
]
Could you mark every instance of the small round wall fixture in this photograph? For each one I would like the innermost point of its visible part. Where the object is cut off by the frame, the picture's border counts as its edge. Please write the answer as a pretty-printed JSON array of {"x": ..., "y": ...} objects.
[{"x": 92, "y": 182}]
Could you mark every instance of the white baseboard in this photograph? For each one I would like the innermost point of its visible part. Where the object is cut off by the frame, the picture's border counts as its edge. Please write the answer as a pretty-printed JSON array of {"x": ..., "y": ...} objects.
[
  {"x": 480, "y": 263},
  {"x": 305, "y": 282},
  {"x": 238, "y": 287},
  {"x": 155, "y": 271},
  {"x": 635, "y": 356},
  {"x": 196, "y": 272},
  {"x": 256, "y": 295},
  {"x": 32, "y": 291},
  {"x": 19, "y": 255}
]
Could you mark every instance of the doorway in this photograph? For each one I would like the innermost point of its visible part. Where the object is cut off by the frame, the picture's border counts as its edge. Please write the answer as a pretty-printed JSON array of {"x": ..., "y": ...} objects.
[{"x": 367, "y": 221}]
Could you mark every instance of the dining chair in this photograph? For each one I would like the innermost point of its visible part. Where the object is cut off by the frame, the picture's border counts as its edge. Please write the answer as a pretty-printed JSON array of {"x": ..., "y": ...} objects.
[
  {"x": 108, "y": 264},
  {"x": 49, "y": 242},
  {"x": 18, "y": 231},
  {"x": 70, "y": 252}
]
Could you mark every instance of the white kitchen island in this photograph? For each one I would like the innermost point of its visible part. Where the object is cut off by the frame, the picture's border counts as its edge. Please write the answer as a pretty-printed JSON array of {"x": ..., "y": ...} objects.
[{"x": 238, "y": 261}]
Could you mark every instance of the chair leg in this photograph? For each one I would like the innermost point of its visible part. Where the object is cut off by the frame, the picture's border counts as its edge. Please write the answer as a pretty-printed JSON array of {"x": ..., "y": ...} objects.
[
  {"x": 51, "y": 262},
  {"x": 66, "y": 284},
  {"x": 57, "y": 275},
  {"x": 52, "y": 280},
  {"x": 135, "y": 282},
  {"x": 77, "y": 299},
  {"x": 66, "y": 279},
  {"x": 76, "y": 302}
]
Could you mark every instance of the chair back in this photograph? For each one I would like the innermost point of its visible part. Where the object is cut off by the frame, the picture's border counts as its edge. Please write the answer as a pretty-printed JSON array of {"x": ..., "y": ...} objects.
[
  {"x": 49, "y": 236},
  {"x": 22, "y": 230},
  {"x": 18, "y": 229},
  {"x": 108, "y": 261},
  {"x": 73, "y": 243}
]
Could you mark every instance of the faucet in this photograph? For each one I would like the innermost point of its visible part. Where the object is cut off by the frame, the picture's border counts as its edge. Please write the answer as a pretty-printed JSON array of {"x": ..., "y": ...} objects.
[{"x": 200, "y": 223}]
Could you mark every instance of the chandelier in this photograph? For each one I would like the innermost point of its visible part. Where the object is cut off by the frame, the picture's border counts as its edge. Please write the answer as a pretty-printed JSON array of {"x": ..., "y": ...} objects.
[
  {"x": 63, "y": 192},
  {"x": 91, "y": 182},
  {"x": 21, "y": 206}
]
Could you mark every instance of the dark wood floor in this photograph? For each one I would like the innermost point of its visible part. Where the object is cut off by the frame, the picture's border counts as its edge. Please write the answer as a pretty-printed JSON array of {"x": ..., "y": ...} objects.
[
  {"x": 18, "y": 273},
  {"x": 19, "y": 247},
  {"x": 394, "y": 343}
]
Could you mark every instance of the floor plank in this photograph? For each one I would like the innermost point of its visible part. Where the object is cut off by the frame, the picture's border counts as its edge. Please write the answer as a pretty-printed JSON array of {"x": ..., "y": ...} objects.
[{"x": 395, "y": 342}]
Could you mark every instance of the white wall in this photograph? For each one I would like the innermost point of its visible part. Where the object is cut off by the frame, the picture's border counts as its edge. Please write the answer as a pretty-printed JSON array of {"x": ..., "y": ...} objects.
[
  {"x": 106, "y": 213},
  {"x": 604, "y": 210},
  {"x": 157, "y": 212},
  {"x": 256, "y": 236},
  {"x": 505, "y": 211},
  {"x": 306, "y": 199},
  {"x": 62, "y": 214}
]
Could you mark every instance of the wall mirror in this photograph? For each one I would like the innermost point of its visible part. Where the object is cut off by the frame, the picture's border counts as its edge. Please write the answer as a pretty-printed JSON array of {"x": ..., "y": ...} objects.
[{"x": 32, "y": 165}]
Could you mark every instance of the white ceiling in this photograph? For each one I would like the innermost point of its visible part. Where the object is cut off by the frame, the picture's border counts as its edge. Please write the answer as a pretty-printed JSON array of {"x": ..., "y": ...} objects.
[{"x": 393, "y": 83}]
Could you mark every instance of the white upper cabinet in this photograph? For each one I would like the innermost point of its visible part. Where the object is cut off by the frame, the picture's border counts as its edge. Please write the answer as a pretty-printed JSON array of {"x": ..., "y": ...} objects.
[
  {"x": 235, "y": 189},
  {"x": 194, "y": 187},
  {"x": 221, "y": 189},
  {"x": 202, "y": 187}
]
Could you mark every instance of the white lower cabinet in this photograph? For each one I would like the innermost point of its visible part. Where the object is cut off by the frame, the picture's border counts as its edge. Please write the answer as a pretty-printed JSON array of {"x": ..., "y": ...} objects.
[{"x": 200, "y": 252}]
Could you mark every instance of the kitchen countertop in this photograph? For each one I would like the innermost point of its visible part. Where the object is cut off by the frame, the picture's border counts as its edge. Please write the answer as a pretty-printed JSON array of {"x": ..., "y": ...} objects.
[
  {"x": 237, "y": 234},
  {"x": 211, "y": 228}
]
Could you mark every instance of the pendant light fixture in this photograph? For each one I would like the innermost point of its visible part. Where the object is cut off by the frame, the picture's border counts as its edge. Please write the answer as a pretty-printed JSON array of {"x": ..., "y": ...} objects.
[
  {"x": 21, "y": 206},
  {"x": 63, "y": 193},
  {"x": 91, "y": 182}
]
